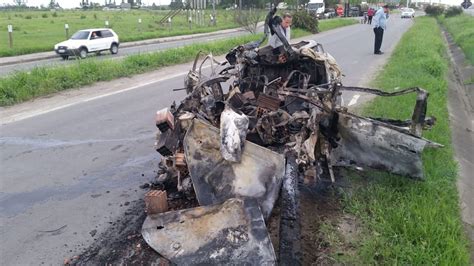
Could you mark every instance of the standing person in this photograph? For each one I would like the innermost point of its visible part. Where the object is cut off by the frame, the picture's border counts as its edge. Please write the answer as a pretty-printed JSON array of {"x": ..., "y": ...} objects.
[
  {"x": 380, "y": 24},
  {"x": 370, "y": 14},
  {"x": 285, "y": 30},
  {"x": 274, "y": 41}
]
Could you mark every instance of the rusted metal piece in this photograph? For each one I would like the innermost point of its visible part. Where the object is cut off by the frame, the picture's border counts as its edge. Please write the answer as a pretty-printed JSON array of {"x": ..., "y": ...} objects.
[
  {"x": 258, "y": 175},
  {"x": 231, "y": 233},
  {"x": 180, "y": 160},
  {"x": 268, "y": 102},
  {"x": 419, "y": 113},
  {"x": 237, "y": 100},
  {"x": 156, "y": 201},
  {"x": 164, "y": 120},
  {"x": 249, "y": 96}
]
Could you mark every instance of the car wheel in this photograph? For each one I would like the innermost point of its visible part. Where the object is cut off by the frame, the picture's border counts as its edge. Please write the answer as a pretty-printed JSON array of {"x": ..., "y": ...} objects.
[
  {"x": 65, "y": 57},
  {"x": 114, "y": 48},
  {"x": 83, "y": 53}
]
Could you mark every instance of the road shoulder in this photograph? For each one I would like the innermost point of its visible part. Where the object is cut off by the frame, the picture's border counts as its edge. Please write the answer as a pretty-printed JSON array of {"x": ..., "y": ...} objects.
[{"x": 461, "y": 116}]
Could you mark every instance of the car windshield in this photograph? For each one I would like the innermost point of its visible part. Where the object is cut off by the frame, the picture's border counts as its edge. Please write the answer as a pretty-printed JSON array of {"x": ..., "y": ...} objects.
[{"x": 80, "y": 35}]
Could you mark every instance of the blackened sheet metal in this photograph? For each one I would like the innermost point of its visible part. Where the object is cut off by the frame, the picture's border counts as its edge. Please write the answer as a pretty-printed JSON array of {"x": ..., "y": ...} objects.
[
  {"x": 258, "y": 175},
  {"x": 374, "y": 144},
  {"x": 231, "y": 233},
  {"x": 290, "y": 228}
]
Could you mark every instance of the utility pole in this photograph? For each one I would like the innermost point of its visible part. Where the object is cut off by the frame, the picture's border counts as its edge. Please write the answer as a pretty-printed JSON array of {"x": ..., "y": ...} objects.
[{"x": 214, "y": 12}]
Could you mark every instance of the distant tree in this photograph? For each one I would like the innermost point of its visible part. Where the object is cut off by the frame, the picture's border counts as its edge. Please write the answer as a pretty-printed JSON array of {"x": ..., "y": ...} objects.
[
  {"x": 248, "y": 19},
  {"x": 177, "y": 4},
  {"x": 52, "y": 4},
  {"x": 20, "y": 2},
  {"x": 434, "y": 11}
]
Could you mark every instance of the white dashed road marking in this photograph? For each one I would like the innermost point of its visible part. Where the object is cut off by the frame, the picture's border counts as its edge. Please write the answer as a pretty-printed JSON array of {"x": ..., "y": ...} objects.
[{"x": 354, "y": 100}]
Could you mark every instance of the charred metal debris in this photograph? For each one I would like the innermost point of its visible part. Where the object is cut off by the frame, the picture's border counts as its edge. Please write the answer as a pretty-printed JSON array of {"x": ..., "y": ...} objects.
[{"x": 233, "y": 150}]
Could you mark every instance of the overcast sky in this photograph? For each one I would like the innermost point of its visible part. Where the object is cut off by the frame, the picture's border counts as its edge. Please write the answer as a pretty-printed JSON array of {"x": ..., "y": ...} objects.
[{"x": 75, "y": 3}]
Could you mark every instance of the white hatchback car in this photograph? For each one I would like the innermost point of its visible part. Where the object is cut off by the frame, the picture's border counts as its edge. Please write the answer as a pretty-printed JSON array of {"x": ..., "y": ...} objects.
[
  {"x": 88, "y": 41},
  {"x": 408, "y": 13}
]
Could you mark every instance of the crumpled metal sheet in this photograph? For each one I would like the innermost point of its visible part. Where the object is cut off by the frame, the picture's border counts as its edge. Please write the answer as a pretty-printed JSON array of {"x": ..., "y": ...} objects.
[
  {"x": 258, "y": 175},
  {"x": 231, "y": 233},
  {"x": 366, "y": 142}
]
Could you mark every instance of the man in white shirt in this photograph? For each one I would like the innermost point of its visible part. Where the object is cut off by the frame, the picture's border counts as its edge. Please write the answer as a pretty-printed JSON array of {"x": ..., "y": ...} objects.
[
  {"x": 284, "y": 29},
  {"x": 379, "y": 22}
]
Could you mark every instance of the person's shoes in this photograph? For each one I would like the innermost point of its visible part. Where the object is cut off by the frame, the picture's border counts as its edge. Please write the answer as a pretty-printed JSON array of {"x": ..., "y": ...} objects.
[{"x": 379, "y": 52}]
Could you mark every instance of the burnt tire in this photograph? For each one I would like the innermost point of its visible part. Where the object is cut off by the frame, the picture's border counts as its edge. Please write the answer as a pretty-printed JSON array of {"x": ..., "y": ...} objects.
[
  {"x": 114, "y": 48},
  {"x": 83, "y": 53}
]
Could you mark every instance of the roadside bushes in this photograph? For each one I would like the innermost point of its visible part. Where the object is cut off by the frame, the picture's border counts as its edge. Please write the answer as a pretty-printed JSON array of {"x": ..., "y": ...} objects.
[
  {"x": 305, "y": 21},
  {"x": 434, "y": 10},
  {"x": 453, "y": 11}
]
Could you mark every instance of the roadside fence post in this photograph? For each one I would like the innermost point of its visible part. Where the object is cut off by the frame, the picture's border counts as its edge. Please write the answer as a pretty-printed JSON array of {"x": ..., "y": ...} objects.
[
  {"x": 106, "y": 23},
  {"x": 10, "y": 35},
  {"x": 203, "y": 17},
  {"x": 190, "y": 21},
  {"x": 198, "y": 17},
  {"x": 169, "y": 23},
  {"x": 66, "y": 28},
  {"x": 139, "y": 24}
]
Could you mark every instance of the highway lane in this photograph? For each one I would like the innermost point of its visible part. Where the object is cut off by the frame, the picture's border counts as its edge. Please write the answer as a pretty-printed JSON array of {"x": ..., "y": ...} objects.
[
  {"x": 123, "y": 51},
  {"x": 72, "y": 163}
]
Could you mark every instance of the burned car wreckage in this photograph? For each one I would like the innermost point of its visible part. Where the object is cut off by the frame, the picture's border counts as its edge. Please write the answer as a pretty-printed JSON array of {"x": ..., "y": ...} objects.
[{"x": 235, "y": 151}]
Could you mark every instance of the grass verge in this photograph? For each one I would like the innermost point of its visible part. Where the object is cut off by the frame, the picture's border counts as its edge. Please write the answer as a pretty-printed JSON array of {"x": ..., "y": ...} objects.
[
  {"x": 324, "y": 25},
  {"x": 406, "y": 222},
  {"x": 23, "y": 86},
  {"x": 329, "y": 24},
  {"x": 462, "y": 29}
]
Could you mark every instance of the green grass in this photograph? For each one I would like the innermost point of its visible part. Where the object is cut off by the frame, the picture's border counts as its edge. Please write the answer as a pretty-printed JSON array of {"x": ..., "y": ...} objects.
[
  {"x": 23, "y": 86},
  {"x": 42, "y": 30},
  {"x": 329, "y": 24},
  {"x": 462, "y": 29},
  {"x": 410, "y": 222},
  {"x": 324, "y": 25}
]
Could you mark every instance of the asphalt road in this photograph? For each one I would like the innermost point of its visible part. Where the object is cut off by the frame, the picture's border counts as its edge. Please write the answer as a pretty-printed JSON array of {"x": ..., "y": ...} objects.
[
  {"x": 72, "y": 163},
  {"x": 123, "y": 51}
]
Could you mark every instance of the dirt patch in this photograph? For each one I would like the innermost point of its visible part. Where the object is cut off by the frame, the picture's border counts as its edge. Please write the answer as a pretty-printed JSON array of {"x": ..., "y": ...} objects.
[
  {"x": 328, "y": 234},
  {"x": 123, "y": 244}
]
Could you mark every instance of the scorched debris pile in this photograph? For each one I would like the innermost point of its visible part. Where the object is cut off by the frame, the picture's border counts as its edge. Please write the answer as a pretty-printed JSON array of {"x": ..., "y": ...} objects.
[{"x": 232, "y": 151}]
